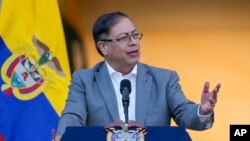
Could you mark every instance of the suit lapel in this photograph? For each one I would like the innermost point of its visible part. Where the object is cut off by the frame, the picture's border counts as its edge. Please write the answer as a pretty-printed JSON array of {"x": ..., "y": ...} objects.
[
  {"x": 143, "y": 88},
  {"x": 107, "y": 90}
]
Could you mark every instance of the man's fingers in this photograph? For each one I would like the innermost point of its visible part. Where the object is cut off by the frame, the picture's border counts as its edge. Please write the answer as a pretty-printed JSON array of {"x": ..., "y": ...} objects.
[
  {"x": 215, "y": 91},
  {"x": 206, "y": 87},
  {"x": 214, "y": 96},
  {"x": 218, "y": 87}
]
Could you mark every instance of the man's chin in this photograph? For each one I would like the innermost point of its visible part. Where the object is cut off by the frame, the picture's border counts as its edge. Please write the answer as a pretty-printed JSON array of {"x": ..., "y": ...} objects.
[{"x": 134, "y": 62}]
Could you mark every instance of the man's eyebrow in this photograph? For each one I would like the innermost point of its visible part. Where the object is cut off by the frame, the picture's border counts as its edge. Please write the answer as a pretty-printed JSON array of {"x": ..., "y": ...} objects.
[
  {"x": 127, "y": 32},
  {"x": 134, "y": 31}
]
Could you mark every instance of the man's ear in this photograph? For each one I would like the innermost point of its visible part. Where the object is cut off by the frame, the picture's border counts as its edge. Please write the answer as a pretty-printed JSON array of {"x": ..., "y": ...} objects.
[{"x": 103, "y": 48}]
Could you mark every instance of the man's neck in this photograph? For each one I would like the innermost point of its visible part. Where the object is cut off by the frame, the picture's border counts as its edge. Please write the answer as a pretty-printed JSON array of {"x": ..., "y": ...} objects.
[{"x": 123, "y": 70}]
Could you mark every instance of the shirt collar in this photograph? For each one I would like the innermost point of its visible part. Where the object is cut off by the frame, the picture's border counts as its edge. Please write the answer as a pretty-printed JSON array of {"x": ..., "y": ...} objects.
[{"x": 112, "y": 71}]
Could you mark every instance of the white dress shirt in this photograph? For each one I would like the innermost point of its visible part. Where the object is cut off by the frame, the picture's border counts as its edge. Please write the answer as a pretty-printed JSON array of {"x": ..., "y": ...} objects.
[{"x": 116, "y": 78}]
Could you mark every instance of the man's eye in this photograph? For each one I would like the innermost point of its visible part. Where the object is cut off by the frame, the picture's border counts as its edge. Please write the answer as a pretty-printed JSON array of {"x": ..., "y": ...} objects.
[{"x": 135, "y": 35}]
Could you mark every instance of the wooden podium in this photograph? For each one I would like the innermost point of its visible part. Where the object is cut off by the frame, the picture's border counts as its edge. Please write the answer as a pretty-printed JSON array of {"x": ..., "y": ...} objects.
[{"x": 97, "y": 133}]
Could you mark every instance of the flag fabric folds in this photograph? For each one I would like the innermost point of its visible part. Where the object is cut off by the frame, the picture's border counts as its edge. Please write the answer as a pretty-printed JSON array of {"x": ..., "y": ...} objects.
[{"x": 34, "y": 69}]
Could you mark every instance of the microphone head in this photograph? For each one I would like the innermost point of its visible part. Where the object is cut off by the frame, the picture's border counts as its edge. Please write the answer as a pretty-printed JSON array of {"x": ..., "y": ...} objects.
[{"x": 125, "y": 85}]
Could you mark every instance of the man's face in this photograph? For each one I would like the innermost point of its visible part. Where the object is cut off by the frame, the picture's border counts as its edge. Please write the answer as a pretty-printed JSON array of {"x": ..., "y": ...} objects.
[{"x": 122, "y": 53}]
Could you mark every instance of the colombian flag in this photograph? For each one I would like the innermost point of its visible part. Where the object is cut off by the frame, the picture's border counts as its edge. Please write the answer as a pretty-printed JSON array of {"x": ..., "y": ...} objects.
[{"x": 34, "y": 69}]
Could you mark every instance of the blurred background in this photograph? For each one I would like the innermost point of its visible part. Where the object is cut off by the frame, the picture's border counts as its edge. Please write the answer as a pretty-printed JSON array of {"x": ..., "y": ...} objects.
[{"x": 203, "y": 40}]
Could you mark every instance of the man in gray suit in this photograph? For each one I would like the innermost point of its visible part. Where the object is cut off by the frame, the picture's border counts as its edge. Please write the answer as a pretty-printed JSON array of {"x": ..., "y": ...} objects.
[{"x": 94, "y": 97}]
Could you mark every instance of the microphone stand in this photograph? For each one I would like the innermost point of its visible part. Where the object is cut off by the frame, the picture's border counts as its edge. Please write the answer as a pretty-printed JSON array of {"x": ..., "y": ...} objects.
[
  {"x": 125, "y": 102},
  {"x": 125, "y": 105}
]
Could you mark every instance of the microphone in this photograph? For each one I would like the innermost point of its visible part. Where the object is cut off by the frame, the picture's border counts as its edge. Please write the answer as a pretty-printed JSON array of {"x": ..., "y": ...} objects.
[{"x": 125, "y": 89}]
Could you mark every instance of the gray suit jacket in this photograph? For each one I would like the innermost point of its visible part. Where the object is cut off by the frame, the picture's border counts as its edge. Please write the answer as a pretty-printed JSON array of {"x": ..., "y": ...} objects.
[{"x": 92, "y": 99}]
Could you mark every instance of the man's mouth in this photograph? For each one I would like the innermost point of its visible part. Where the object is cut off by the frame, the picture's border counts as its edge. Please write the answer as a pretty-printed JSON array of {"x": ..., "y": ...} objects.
[{"x": 133, "y": 53}]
